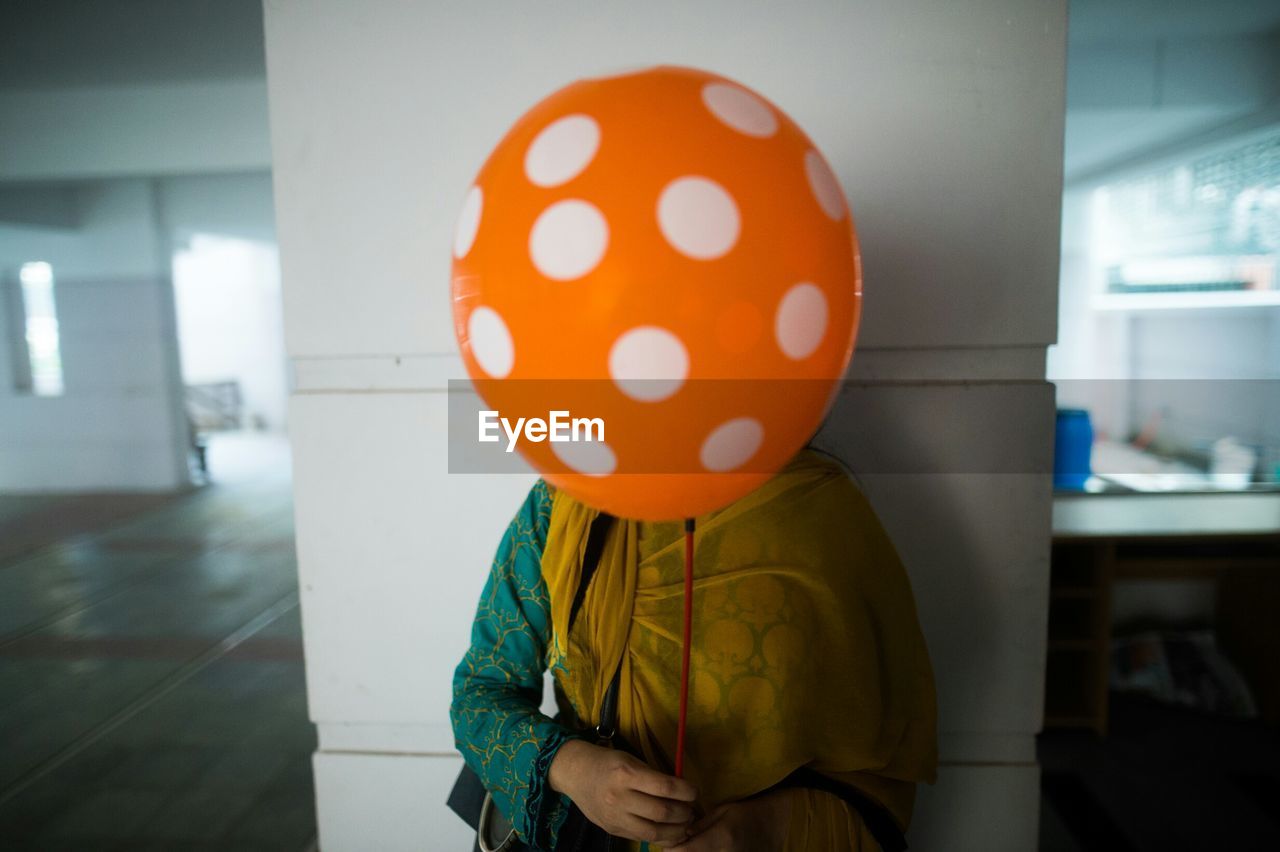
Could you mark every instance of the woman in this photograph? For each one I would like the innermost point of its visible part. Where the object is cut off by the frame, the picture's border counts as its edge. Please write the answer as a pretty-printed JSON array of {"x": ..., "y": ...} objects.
[{"x": 811, "y": 712}]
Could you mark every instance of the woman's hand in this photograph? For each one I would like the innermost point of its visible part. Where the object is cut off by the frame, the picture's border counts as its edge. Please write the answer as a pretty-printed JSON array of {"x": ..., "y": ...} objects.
[
  {"x": 752, "y": 825},
  {"x": 621, "y": 794}
]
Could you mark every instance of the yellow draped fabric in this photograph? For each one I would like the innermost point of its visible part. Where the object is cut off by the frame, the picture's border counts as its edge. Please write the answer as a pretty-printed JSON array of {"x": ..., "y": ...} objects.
[{"x": 806, "y": 647}]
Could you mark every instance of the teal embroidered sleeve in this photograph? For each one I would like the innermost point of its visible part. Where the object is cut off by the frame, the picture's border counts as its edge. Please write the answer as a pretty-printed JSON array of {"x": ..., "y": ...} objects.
[{"x": 497, "y": 688}]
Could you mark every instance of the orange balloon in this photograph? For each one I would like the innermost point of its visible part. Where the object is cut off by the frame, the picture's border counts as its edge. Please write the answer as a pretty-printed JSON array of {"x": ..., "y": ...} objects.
[{"x": 668, "y": 252}]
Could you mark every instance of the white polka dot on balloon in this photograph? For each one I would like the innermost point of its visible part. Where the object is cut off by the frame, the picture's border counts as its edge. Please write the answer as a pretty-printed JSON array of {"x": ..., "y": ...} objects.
[
  {"x": 826, "y": 189},
  {"x": 648, "y": 363},
  {"x": 801, "y": 321},
  {"x": 468, "y": 223},
  {"x": 568, "y": 239},
  {"x": 594, "y": 458},
  {"x": 698, "y": 217},
  {"x": 491, "y": 342},
  {"x": 562, "y": 150},
  {"x": 732, "y": 444},
  {"x": 740, "y": 109}
]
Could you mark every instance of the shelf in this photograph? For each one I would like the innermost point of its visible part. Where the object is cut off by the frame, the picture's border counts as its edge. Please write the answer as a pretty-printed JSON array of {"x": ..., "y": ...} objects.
[
  {"x": 1181, "y": 569},
  {"x": 1195, "y": 300},
  {"x": 1078, "y": 636}
]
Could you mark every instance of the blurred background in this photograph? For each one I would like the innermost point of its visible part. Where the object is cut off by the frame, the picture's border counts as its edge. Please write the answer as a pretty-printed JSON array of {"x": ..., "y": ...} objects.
[
  {"x": 151, "y": 680},
  {"x": 1162, "y": 682},
  {"x": 152, "y": 688}
]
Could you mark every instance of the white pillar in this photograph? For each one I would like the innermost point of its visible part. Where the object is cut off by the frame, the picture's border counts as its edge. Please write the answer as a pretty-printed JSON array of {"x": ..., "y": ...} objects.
[{"x": 944, "y": 122}]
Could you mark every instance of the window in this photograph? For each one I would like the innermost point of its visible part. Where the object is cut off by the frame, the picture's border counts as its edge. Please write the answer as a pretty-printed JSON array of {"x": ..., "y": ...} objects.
[
  {"x": 1207, "y": 224},
  {"x": 38, "y": 361}
]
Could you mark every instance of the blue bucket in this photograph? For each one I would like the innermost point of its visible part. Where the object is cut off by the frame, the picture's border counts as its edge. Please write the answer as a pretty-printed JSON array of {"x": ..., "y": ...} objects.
[{"x": 1072, "y": 445}]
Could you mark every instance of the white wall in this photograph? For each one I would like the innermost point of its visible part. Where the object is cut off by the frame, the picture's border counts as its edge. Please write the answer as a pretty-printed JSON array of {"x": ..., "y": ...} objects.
[
  {"x": 108, "y": 158},
  {"x": 120, "y": 424},
  {"x": 944, "y": 123},
  {"x": 227, "y": 294},
  {"x": 1090, "y": 362},
  {"x": 227, "y": 280},
  {"x": 229, "y": 204},
  {"x": 133, "y": 130}
]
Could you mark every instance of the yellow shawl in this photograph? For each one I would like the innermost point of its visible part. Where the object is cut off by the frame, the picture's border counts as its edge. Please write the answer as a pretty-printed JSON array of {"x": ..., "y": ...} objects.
[{"x": 806, "y": 646}]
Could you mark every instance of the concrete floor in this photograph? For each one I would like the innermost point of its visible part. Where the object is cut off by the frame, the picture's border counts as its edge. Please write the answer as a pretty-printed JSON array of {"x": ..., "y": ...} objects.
[{"x": 151, "y": 667}]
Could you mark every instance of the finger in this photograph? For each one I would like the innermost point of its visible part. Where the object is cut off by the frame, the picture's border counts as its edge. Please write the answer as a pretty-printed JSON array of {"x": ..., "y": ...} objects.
[
  {"x": 704, "y": 842},
  {"x": 638, "y": 828},
  {"x": 653, "y": 808},
  {"x": 654, "y": 783}
]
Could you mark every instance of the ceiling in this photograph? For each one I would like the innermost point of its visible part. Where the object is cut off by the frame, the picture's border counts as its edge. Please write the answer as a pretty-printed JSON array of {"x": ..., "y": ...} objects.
[
  {"x": 67, "y": 43},
  {"x": 1112, "y": 50},
  {"x": 1113, "y": 21},
  {"x": 53, "y": 43}
]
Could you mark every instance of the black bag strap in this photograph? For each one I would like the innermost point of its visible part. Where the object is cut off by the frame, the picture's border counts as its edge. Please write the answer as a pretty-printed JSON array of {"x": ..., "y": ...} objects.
[
  {"x": 596, "y": 535},
  {"x": 578, "y": 834},
  {"x": 591, "y": 554}
]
